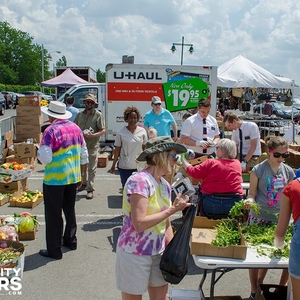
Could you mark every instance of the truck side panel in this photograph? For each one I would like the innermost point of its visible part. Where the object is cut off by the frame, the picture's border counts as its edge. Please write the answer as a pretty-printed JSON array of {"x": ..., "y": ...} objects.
[{"x": 134, "y": 85}]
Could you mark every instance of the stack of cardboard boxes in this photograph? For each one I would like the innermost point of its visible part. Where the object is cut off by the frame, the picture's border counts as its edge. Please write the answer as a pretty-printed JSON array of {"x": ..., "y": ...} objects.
[{"x": 28, "y": 119}]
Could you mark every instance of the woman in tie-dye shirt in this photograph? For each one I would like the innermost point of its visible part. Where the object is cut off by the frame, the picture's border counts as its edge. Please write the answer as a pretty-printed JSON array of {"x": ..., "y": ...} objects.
[{"x": 147, "y": 228}]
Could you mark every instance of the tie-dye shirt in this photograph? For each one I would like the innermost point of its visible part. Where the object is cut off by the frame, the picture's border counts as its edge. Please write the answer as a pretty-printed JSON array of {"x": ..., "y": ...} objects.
[
  {"x": 65, "y": 140},
  {"x": 151, "y": 241}
]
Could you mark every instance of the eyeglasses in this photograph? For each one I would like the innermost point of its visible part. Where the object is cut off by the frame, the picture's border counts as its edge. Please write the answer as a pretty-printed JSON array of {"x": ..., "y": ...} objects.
[
  {"x": 277, "y": 154},
  {"x": 174, "y": 156},
  {"x": 157, "y": 104}
]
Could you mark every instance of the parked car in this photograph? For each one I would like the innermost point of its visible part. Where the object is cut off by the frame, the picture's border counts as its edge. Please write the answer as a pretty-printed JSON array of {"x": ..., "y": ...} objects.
[
  {"x": 37, "y": 93},
  {"x": 296, "y": 103},
  {"x": 9, "y": 99},
  {"x": 2, "y": 104},
  {"x": 280, "y": 110}
]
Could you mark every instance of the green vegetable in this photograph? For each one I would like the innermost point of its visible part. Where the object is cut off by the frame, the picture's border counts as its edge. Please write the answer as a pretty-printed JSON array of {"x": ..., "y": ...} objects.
[
  {"x": 237, "y": 209},
  {"x": 26, "y": 224},
  {"x": 227, "y": 234}
]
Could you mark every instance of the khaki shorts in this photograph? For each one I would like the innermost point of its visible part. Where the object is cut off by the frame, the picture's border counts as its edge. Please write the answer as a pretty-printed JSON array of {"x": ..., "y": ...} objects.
[
  {"x": 134, "y": 273},
  {"x": 253, "y": 161}
]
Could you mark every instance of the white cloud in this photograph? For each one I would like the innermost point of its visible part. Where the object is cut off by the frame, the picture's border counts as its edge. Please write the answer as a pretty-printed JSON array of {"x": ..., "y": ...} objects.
[{"x": 94, "y": 33}]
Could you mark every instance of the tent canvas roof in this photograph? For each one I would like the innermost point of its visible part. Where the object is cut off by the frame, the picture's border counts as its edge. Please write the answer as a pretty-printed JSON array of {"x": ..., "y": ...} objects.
[
  {"x": 241, "y": 72},
  {"x": 66, "y": 79}
]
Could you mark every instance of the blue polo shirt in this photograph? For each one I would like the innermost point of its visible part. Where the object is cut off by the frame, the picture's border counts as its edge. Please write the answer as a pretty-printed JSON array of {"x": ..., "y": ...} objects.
[{"x": 161, "y": 122}]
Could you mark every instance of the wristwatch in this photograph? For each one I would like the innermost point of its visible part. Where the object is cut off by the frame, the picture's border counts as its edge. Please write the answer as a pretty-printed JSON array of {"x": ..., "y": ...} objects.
[{"x": 245, "y": 161}]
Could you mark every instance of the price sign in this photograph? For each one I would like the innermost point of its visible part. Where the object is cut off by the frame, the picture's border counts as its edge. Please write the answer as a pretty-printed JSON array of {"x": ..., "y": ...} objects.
[{"x": 184, "y": 94}]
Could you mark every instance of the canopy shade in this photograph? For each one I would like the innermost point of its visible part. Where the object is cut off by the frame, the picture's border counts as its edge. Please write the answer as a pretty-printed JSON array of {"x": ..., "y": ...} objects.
[
  {"x": 240, "y": 72},
  {"x": 66, "y": 79}
]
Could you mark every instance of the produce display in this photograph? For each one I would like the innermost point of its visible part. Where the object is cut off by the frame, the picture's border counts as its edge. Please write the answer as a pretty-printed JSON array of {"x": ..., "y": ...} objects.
[
  {"x": 28, "y": 196},
  {"x": 229, "y": 232},
  {"x": 4, "y": 195},
  {"x": 8, "y": 253},
  {"x": 44, "y": 102},
  {"x": 13, "y": 166},
  {"x": 18, "y": 223}
]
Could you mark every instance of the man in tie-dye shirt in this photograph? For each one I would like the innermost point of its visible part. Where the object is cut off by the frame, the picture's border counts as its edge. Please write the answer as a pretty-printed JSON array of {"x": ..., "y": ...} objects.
[{"x": 63, "y": 152}]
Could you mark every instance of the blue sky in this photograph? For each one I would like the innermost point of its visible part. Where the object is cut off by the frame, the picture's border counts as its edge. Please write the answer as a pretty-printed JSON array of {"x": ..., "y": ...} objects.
[{"x": 95, "y": 33}]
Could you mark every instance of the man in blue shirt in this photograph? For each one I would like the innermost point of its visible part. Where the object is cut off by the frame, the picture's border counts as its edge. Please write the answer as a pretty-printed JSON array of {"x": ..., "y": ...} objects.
[
  {"x": 73, "y": 110},
  {"x": 161, "y": 119}
]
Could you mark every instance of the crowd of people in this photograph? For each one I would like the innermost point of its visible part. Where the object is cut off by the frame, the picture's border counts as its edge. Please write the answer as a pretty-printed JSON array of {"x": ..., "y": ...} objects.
[{"x": 147, "y": 204}]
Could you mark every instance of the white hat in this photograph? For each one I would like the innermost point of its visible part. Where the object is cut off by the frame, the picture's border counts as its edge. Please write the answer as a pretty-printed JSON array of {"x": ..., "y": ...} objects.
[
  {"x": 156, "y": 100},
  {"x": 56, "y": 109}
]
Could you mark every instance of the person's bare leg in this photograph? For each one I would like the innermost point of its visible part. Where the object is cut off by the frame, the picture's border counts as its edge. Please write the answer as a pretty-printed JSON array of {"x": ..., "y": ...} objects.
[
  {"x": 261, "y": 275},
  {"x": 158, "y": 293},
  {"x": 126, "y": 296}
]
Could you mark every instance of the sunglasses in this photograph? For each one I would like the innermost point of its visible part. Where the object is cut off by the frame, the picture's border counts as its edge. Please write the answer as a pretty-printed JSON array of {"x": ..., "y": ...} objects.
[
  {"x": 89, "y": 102},
  {"x": 277, "y": 154},
  {"x": 157, "y": 104},
  {"x": 174, "y": 156}
]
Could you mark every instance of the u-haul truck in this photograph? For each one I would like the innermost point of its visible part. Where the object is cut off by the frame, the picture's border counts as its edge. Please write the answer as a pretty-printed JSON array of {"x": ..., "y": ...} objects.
[{"x": 179, "y": 87}]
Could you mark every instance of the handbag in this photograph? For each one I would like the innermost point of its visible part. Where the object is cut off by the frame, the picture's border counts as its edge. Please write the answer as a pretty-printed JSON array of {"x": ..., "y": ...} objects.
[{"x": 174, "y": 261}]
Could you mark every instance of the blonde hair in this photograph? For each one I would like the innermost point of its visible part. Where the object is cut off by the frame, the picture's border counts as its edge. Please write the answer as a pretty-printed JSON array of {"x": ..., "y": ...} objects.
[
  {"x": 152, "y": 132},
  {"x": 160, "y": 160}
]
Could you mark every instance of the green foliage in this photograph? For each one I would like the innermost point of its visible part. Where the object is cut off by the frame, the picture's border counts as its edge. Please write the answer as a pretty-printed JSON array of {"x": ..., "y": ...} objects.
[
  {"x": 20, "y": 59},
  {"x": 237, "y": 209},
  {"x": 100, "y": 76},
  {"x": 227, "y": 234}
]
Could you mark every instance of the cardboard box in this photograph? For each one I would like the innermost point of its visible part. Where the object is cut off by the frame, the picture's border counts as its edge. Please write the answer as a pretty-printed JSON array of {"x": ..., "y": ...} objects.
[
  {"x": 28, "y": 235},
  {"x": 26, "y": 169},
  {"x": 29, "y": 204},
  {"x": 28, "y": 129},
  {"x": 203, "y": 233},
  {"x": 29, "y": 160},
  {"x": 8, "y": 138},
  {"x": 4, "y": 201},
  {"x": 102, "y": 161},
  {"x": 25, "y": 150},
  {"x": 37, "y": 137},
  {"x": 28, "y": 111},
  {"x": 30, "y": 100},
  {"x": 10, "y": 178},
  {"x": 29, "y": 120},
  {"x": 177, "y": 294},
  {"x": 15, "y": 186},
  {"x": 17, "y": 263},
  {"x": 271, "y": 292}
]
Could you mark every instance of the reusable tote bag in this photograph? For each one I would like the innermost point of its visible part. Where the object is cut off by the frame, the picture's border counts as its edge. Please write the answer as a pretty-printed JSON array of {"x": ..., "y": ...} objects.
[{"x": 174, "y": 261}]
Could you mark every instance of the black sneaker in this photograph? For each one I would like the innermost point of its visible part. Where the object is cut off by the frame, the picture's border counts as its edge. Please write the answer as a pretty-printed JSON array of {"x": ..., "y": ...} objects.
[{"x": 252, "y": 296}]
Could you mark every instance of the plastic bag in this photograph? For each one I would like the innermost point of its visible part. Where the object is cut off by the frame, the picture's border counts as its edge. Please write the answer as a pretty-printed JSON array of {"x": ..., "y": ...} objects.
[{"x": 174, "y": 261}]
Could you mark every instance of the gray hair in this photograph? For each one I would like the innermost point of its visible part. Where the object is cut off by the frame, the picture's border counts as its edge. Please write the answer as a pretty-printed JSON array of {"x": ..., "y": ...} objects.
[{"x": 228, "y": 146}]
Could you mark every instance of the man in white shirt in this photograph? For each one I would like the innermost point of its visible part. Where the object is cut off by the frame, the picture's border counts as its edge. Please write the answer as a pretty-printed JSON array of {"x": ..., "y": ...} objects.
[
  {"x": 246, "y": 135},
  {"x": 200, "y": 132}
]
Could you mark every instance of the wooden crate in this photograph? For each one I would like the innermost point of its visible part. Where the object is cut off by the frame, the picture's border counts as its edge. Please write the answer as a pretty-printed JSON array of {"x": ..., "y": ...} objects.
[{"x": 102, "y": 161}]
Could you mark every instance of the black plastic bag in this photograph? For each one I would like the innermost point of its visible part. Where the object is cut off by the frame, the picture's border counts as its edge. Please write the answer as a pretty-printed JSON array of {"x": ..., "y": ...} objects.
[{"x": 174, "y": 261}]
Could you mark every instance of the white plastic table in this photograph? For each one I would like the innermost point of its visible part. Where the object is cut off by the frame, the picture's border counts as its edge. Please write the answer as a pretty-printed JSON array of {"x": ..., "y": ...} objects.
[{"x": 224, "y": 265}]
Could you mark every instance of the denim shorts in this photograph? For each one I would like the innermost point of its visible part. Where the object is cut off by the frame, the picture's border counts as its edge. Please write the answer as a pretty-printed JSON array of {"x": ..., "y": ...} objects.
[
  {"x": 294, "y": 260},
  {"x": 218, "y": 206}
]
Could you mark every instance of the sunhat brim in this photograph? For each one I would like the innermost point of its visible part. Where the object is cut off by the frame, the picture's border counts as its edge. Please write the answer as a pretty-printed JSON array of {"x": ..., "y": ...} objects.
[
  {"x": 179, "y": 148},
  {"x": 65, "y": 116}
]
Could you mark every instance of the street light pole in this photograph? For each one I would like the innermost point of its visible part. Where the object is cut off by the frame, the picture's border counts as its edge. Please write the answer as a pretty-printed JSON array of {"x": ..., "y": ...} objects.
[
  {"x": 182, "y": 44},
  {"x": 43, "y": 63}
]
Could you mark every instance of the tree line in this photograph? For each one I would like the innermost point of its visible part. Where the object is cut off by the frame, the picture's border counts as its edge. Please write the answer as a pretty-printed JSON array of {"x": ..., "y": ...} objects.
[{"x": 21, "y": 59}]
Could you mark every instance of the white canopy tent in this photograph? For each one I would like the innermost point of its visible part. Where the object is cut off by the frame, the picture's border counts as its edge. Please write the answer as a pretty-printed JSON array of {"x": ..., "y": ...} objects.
[{"x": 240, "y": 72}]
